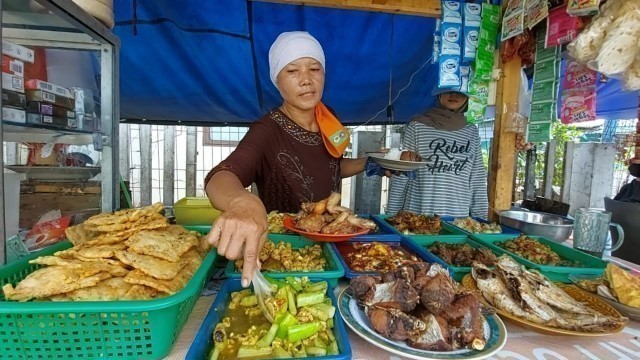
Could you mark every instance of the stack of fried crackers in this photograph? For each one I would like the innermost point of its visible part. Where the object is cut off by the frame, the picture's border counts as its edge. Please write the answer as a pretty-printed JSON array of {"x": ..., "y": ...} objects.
[{"x": 128, "y": 255}]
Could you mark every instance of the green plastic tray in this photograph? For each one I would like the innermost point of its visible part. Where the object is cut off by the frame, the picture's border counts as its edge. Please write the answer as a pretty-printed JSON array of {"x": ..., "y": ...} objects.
[
  {"x": 458, "y": 272},
  {"x": 332, "y": 274},
  {"x": 593, "y": 265},
  {"x": 448, "y": 231},
  {"x": 93, "y": 329}
]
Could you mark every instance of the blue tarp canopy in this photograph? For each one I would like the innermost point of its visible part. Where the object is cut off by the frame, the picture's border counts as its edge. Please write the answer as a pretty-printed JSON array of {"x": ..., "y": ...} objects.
[{"x": 206, "y": 62}]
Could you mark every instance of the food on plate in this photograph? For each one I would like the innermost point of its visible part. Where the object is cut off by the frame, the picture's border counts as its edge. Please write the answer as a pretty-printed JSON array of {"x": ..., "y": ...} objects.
[
  {"x": 303, "y": 327},
  {"x": 142, "y": 258},
  {"x": 410, "y": 223},
  {"x": 374, "y": 256},
  {"x": 397, "y": 154},
  {"x": 275, "y": 220},
  {"x": 475, "y": 227},
  {"x": 282, "y": 257},
  {"x": 462, "y": 255},
  {"x": 535, "y": 251},
  {"x": 419, "y": 303},
  {"x": 625, "y": 287},
  {"x": 531, "y": 296},
  {"x": 328, "y": 217}
]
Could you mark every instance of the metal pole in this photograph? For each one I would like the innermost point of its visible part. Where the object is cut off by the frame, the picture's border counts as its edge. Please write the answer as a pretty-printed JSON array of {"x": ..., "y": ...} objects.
[
  {"x": 3, "y": 232},
  {"x": 169, "y": 165},
  {"x": 192, "y": 158},
  {"x": 530, "y": 175},
  {"x": 549, "y": 168}
]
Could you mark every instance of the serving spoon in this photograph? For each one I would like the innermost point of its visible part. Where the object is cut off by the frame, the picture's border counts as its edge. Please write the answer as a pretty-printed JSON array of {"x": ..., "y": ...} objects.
[{"x": 263, "y": 290}]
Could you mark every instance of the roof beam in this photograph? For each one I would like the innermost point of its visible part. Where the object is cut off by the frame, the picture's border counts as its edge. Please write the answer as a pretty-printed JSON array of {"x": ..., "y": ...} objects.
[{"x": 428, "y": 8}]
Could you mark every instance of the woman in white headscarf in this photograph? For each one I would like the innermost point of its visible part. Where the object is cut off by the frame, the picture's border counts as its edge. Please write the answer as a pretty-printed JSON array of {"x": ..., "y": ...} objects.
[{"x": 293, "y": 154}]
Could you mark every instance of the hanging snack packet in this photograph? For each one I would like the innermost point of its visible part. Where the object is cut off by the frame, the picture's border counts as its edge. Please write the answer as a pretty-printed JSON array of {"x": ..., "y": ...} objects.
[
  {"x": 561, "y": 28},
  {"x": 583, "y": 7},
  {"x": 578, "y": 105},
  {"x": 437, "y": 45},
  {"x": 544, "y": 91},
  {"x": 537, "y": 10},
  {"x": 546, "y": 70},
  {"x": 451, "y": 12},
  {"x": 478, "y": 95},
  {"x": 542, "y": 112},
  {"x": 578, "y": 76},
  {"x": 451, "y": 39},
  {"x": 449, "y": 71},
  {"x": 513, "y": 7},
  {"x": 471, "y": 36},
  {"x": 486, "y": 43},
  {"x": 465, "y": 71},
  {"x": 513, "y": 22},
  {"x": 539, "y": 132},
  {"x": 472, "y": 14}
]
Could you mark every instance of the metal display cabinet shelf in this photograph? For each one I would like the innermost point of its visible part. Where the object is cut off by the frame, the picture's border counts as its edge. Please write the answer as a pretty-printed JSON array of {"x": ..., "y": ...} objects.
[{"x": 64, "y": 25}]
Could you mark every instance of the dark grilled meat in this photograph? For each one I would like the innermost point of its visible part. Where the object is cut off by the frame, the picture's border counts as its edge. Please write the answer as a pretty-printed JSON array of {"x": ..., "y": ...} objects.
[
  {"x": 394, "y": 324},
  {"x": 437, "y": 293}
]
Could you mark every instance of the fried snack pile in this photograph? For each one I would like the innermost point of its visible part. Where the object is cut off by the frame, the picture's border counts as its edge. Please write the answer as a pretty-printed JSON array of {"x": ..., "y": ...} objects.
[
  {"x": 328, "y": 217},
  {"x": 275, "y": 220},
  {"x": 623, "y": 285},
  {"x": 131, "y": 254},
  {"x": 282, "y": 257}
]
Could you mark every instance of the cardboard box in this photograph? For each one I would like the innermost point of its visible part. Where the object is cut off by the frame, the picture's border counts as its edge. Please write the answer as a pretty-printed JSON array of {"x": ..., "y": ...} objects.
[
  {"x": 18, "y": 52},
  {"x": 14, "y": 115},
  {"x": 39, "y": 107},
  {"x": 14, "y": 99},
  {"x": 12, "y": 66},
  {"x": 58, "y": 121},
  {"x": 35, "y": 84},
  {"x": 12, "y": 83},
  {"x": 47, "y": 97}
]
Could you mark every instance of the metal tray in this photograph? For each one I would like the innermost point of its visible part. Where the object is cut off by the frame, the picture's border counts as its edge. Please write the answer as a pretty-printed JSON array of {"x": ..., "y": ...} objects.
[{"x": 56, "y": 173}]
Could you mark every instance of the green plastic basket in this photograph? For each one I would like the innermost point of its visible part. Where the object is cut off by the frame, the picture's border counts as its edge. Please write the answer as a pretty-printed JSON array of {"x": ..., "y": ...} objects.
[
  {"x": 93, "y": 330},
  {"x": 332, "y": 274},
  {"x": 593, "y": 265},
  {"x": 458, "y": 272},
  {"x": 448, "y": 231}
]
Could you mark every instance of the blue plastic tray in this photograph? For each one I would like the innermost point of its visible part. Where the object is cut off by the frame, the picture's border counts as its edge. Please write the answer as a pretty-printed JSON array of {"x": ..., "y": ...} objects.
[
  {"x": 448, "y": 230},
  {"x": 201, "y": 346},
  {"x": 397, "y": 240},
  {"x": 505, "y": 229}
]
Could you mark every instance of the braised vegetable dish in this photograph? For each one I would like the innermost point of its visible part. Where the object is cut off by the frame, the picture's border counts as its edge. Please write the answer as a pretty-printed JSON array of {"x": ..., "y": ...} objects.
[
  {"x": 303, "y": 326},
  {"x": 462, "y": 255},
  {"x": 374, "y": 256},
  {"x": 282, "y": 257},
  {"x": 535, "y": 251},
  {"x": 410, "y": 223}
]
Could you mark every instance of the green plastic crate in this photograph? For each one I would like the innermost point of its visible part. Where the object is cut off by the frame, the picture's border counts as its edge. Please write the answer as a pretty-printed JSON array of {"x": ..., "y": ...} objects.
[
  {"x": 593, "y": 265},
  {"x": 448, "y": 231},
  {"x": 332, "y": 274},
  {"x": 458, "y": 272},
  {"x": 93, "y": 329}
]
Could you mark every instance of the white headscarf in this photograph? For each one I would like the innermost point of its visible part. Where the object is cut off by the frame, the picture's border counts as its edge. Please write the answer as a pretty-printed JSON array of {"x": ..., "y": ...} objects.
[{"x": 291, "y": 46}]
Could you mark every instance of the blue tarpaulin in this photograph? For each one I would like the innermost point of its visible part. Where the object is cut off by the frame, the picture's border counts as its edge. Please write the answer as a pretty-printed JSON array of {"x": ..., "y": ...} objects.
[{"x": 206, "y": 62}]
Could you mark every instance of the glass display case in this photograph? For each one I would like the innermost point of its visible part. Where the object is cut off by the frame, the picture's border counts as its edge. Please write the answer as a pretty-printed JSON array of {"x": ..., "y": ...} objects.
[{"x": 79, "y": 56}]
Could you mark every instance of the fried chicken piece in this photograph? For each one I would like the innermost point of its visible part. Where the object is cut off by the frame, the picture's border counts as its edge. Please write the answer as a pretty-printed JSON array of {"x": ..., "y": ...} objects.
[
  {"x": 410, "y": 156},
  {"x": 310, "y": 223},
  {"x": 465, "y": 315},
  {"x": 394, "y": 324},
  {"x": 437, "y": 293}
]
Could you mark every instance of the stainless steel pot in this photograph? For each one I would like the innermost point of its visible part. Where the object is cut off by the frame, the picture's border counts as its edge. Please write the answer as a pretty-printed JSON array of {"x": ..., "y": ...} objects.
[{"x": 552, "y": 227}]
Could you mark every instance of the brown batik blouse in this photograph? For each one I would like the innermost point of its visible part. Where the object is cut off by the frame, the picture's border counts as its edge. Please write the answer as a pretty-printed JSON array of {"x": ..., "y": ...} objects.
[{"x": 289, "y": 164}]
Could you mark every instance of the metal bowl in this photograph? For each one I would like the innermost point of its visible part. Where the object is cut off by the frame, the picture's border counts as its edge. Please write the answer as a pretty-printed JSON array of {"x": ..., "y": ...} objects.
[{"x": 552, "y": 227}]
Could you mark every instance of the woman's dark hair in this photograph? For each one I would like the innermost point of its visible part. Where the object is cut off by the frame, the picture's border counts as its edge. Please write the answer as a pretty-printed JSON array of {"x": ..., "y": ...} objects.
[{"x": 634, "y": 170}]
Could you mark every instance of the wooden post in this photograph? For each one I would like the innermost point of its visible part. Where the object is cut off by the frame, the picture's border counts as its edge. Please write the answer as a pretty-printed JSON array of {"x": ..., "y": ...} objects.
[
  {"x": 169, "y": 165},
  {"x": 125, "y": 145},
  {"x": 503, "y": 159},
  {"x": 192, "y": 158},
  {"x": 549, "y": 169},
  {"x": 145, "y": 165}
]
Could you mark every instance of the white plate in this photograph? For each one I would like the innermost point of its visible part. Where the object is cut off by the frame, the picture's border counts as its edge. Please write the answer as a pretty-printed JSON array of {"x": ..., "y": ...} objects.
[
  {"x": 357, "y": 320},
  {"x": 398, "y": 165}
]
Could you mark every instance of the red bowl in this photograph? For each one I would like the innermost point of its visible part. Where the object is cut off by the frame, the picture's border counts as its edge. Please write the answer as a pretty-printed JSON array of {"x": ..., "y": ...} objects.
[{"x": 289, "y": 224}]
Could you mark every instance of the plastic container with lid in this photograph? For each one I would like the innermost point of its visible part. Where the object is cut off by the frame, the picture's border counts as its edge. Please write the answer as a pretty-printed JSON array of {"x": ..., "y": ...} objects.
[{"x": 195, "y": 211}]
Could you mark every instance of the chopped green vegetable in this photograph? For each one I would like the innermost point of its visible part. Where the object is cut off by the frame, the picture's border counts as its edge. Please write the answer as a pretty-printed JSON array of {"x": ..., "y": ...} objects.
[
  {"x": 332, "y": 349},
  {"x": 280, "y": 353},
  {"x": 302, "y": 331},
  {"x": 292, "y": 300},
  {"x": 267, "y": 339},
  {"x": 215, "y": 353},
  {"x": 284, "y": 325},
  {"x": 246, "y": 351},
  {"x": 329, "y": 324},
  {"x": 317, "y": 314},
  {"x": 295, "y": 283},
  {"x": 249, "y": 301},
  {"x": 278, "y": 283},
  {"x": 328, "y": 309},
  {"x": 319, "y": 286},
  {"x": 330, "y": 335},
  {"x": 298, "y": 350},
  {"x": 315, "y": 351},
  {"x": 310, "y": 298}
]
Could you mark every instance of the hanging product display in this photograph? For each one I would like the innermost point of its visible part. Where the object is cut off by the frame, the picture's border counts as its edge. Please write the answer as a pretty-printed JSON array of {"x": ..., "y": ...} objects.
[
  {"x": 583, "y": 7},
  {"x": 578, "y": 94},
  {"x": 544, "y": 90},
  {"x": 450, "y": 56},
  {"x": 610, "y": 44},
  {"x": 537, "y": 10},
  {"x": 487, "y": 42},
  {"x": 513, "y": 21},
  {"x": 561, "y": 28},
  {"x": 472, "y": 21}
]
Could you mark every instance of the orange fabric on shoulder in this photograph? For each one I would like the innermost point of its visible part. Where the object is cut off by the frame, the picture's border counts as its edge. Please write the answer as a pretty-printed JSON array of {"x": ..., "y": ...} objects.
[{"x": 335, "y": 136}]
